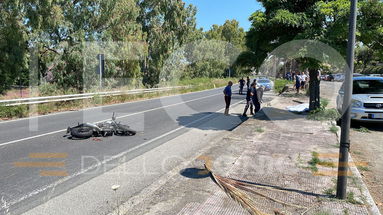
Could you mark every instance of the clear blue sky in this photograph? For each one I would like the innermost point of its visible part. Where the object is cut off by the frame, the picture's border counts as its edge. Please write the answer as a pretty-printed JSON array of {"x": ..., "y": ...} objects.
[{"x": 218, "y": 11}]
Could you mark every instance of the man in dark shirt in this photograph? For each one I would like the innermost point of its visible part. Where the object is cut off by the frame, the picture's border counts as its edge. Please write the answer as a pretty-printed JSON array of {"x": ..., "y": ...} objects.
[
  {"x": 249, "y": 103},
  {"x": 241, "y": 85},
  {"x": 248, "y": 82},
  {"x": 254, "y": 97},
  {"x": 227, "y": 93}
]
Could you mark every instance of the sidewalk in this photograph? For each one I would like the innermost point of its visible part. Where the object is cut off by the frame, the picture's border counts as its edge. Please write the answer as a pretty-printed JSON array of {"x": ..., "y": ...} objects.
[{"x": 272, "y": 152}]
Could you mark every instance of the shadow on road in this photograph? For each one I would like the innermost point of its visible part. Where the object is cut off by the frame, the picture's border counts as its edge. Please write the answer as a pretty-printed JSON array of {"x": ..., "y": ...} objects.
[
  {"x": 282, "y": 188},
  {"x": 211, "y": 121},
  {"x": 372, "y": 126},
  {"x": 272, "y": 114},
  {"x": 195, "y": 173}
]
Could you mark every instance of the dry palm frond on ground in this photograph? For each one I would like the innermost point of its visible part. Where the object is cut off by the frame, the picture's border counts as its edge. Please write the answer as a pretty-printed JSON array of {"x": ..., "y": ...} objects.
[{"x": 234, "y": 189}]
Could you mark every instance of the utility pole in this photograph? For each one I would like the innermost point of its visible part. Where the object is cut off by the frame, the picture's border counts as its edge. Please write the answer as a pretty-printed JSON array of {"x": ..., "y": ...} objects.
[{"x": 346, "y": 119}]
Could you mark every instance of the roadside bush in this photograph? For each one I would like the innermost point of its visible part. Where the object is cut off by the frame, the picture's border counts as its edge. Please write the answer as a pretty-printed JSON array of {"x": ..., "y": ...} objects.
[
  {"x": 13, "y": 111},
  {"x": 52, "y": 89},
  {"x": 279, "y": 84},
  {"x": 324, "y": 115}
]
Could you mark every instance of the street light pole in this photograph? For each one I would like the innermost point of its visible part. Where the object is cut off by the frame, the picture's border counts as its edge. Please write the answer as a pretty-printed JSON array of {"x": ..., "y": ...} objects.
[{"x": 346, "y": 119}]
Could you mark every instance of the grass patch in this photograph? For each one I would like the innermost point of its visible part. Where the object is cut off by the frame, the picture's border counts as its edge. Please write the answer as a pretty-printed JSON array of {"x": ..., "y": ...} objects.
[
  {"x": 13, "y": 111},
  {"x": 346, "y": 211},
  {"x": 334, "y": 129},
  {"x": 350, "y": 198},
  {"x": 357, "y": 152},
  {"x": 316, "y": 161},
  {"x": 324, "y": 115},
  {"x": 330, "y": 192},
  {"x": 327, "y": 164},
  {"x": 362, "y": 130},
  {"x": 279, "y": 84},
  {"x": 363, "y": 168},
  {"x": 259, "y": 130},
  {"x": 322, "y": 213}
]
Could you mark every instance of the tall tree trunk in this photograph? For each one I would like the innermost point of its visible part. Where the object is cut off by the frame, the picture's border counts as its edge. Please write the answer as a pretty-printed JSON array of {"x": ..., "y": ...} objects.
[{"x": 314, "y": 89}]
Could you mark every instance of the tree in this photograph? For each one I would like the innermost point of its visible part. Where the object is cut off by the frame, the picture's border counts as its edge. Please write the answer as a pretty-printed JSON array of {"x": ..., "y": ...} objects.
[
  {"x": 326, "y": 21},
  {"x": 227, "y": 40},
  {"x": 13, "y": 46},
  {"x": 167, "y": 25},
  {"x": 59, "y": 29}
]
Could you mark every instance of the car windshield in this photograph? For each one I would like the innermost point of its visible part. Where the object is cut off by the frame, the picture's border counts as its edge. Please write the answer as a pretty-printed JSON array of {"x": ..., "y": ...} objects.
[
  {"x": 368, "y": 87},
  {"x": 264, "y": 81}
]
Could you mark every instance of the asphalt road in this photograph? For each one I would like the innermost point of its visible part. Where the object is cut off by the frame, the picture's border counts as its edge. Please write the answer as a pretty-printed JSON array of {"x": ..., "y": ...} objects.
[{"x": 157, "y": 120}]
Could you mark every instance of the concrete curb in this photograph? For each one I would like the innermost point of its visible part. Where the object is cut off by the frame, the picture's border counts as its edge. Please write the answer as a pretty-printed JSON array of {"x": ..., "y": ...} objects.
[{"x": 373, "y": 209}]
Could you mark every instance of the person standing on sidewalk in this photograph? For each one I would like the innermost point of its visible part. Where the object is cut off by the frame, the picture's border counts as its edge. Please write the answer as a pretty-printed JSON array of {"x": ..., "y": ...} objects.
[
  {"x": 241, "y": 85},
  {"x": 249, "y": 103},
  {"x": 260, "y": 91},
  {"x": 227, "y": 93},
  {"x": 248, "y": 82},
  {"x": 303, "y": 80},
  {"x": 254, "y": 98},
  {"x": 298, "y": 82}
]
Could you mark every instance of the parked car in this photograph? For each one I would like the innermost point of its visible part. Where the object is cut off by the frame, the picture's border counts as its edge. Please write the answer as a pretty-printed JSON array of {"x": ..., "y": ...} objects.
[
  {"x": 339, "y": 77},
  {"x": 266, "y": 83},
  {"x": 376, "y": 75},
  {"x": 329, "y": 77},
  {"x": 367, "y": 99}
]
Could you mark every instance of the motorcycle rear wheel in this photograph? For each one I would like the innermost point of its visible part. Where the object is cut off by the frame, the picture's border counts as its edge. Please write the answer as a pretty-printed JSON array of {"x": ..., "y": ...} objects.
[{"x": 82, "y": 132}]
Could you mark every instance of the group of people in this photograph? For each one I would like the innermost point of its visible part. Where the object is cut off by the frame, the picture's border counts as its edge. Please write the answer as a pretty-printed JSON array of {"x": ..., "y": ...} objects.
[
  {"x": 253, "y": 96},
  {"x": 301, "y": 80}
]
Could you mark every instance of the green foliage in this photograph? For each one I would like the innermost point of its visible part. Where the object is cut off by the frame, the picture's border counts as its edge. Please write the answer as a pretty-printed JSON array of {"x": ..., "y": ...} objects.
[
  {"x": 324, "y": 115},
  {"x": 259, "y": 130},
  {"x": 20, "y": 111},
  {"x": 13, "y": 111},
  {"x": 363, "y": 168},
  {"x": 279, "y": 84},
  {"x": 13, "y": 48},
  {"x": 322, "y": 213},
  {"x": 59, "y": 31},
  {"x": 330, "y": 192},
  {"x": 351, "y": 199},
  {"x": 326, "y": 21},
  {"x": 167, "y": 26},
  {"x": 53, "y": 89},
  {"x": 316, "y": 161},
  {"x": 363, "y": 130},
  {"x": 334, "y": 129}
]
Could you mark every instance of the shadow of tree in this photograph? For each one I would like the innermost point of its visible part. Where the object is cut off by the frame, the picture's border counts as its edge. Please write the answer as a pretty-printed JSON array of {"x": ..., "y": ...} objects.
[
  {"x": 211, "y": 121},
  {"x": 195, "y": 173},
  {"x": 282, "y": 188},
  {"x": 273, "y": 114}
]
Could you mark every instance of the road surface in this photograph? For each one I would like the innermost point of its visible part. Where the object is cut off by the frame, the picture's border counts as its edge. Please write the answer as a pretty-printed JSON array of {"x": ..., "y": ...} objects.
[{"x": 77, "y": 161}]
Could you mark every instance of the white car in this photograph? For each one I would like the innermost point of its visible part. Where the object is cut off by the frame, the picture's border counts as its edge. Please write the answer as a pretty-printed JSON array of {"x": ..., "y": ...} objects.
[
  {"x": 266, "y": 83},
  {"x": 367, "y": 99}
]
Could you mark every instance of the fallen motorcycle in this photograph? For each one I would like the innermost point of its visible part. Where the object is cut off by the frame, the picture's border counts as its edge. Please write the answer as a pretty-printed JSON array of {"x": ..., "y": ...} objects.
[{"x": 107, "y": 128}]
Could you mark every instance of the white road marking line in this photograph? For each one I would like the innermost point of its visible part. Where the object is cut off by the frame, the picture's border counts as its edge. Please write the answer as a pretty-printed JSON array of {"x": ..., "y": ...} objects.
[
  {"x": 132, "y": 114},
  {"x": 37, "y": 191}
]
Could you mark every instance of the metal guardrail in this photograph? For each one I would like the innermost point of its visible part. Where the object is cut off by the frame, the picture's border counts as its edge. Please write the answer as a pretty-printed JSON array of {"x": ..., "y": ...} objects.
[{"x": 47, "y": 99}]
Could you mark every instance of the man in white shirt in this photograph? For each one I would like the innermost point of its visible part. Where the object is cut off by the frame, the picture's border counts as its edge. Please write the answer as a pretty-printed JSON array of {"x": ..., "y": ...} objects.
[{"x": 303, "y": 80}]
